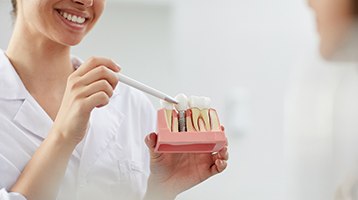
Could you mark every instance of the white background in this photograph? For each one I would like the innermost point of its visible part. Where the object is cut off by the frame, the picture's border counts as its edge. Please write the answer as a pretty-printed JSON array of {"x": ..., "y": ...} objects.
[{"x": 238, "y": 52}]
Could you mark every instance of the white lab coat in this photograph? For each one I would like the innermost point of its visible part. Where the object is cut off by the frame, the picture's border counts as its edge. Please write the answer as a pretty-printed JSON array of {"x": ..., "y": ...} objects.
[
  {"x": 111, "y": 163},
  {"x": 322, "y": 132}
]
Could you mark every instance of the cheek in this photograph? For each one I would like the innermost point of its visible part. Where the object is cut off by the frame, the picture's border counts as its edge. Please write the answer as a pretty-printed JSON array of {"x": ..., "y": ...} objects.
[
  {"x": 98, "y": 9},
  {"x": 97, "y": 12}
]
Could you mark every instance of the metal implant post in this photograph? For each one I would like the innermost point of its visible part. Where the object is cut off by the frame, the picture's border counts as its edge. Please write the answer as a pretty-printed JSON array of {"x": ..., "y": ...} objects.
[
  {"x": 181, "y": 107},
  {"x": 182, "y": 121}
]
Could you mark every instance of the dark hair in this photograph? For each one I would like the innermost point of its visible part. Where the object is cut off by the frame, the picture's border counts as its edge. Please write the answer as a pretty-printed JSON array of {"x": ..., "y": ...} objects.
[
  {"x": 355, "y": 7},
  {"x": 14, "y": 7}
]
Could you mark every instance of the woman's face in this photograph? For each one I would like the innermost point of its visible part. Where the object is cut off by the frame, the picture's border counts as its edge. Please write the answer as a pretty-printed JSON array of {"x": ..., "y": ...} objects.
[
  {"x": 334, "y": 18},
  {"x": 63, "y": 21}
]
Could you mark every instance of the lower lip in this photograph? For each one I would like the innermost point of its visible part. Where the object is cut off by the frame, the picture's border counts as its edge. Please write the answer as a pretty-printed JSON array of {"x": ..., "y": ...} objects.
[{"x": 72, "y": 25}]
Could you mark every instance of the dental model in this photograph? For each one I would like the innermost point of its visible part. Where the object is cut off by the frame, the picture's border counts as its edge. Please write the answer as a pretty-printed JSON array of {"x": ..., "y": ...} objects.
[
  {"x": 197, "y": 104},
  {"x": 191, "y": 115},
  {"x": 169, "y": 109},
  {"x": 214, "y": 120},
  {"x": 192, "y": 126},
  {"x": 175, "y": 122},
  {"x": 181, "y": 107}
]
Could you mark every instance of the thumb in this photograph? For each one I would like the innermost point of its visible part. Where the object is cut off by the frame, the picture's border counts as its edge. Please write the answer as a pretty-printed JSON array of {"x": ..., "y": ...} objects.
[{"x": 151, "y": 141}]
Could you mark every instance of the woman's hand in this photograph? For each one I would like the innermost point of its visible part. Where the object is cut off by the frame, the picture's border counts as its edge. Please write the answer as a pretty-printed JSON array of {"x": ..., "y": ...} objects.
[
  {"x": 171, "y": 174},
  {"x": 90, "y": 86}
]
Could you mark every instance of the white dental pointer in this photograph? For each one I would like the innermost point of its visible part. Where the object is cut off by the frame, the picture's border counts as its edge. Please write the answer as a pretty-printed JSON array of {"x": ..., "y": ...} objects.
[{"x": 142, "y": 87}]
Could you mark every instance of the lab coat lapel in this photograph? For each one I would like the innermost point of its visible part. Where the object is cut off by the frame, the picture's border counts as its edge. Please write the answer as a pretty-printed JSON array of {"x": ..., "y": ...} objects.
[
  {"x": 104, "y": 128},
  {"x": 33, "y": 118},
  {"x": 30, "y": 115}
]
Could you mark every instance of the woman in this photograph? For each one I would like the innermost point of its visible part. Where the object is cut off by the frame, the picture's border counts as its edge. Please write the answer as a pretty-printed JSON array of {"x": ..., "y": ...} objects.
[
  {"x": 323, "y": 111},
  {"x": 68, "y": 129}
]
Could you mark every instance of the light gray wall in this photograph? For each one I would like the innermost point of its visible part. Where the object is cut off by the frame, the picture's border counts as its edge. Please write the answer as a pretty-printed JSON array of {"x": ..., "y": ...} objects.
[
  {"x": 5, "y": 23},
  {"x": 240, "y": 51}
]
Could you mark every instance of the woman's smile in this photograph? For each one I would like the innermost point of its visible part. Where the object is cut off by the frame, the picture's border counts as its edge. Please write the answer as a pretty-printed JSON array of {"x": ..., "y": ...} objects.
[{"x": 74, "y": 20}]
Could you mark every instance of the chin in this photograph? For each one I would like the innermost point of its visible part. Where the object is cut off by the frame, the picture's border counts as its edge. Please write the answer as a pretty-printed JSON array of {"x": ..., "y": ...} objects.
[
  {"x": 70, "y": 41},
  {"x": 344, "y": 52}
]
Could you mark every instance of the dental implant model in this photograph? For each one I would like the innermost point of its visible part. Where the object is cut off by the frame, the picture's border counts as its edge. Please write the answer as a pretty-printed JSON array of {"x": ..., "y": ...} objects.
[
  {"x": 191, "y": 126},
  {"x": 181, "y": 107},
  {"x": 199, "y": 107},
  {"x": 168, "y": 110}
]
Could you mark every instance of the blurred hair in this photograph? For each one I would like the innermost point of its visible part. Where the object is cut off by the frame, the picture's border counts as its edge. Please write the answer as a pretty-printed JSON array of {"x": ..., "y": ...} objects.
[
  {"x": 355, "y": 7},
  {"x": 14, "y": 7}
]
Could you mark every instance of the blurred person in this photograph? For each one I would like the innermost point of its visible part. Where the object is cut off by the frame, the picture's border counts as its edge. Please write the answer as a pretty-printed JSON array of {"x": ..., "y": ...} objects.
[
  {"x": 54, "y": 143},
  {"x": 322, "y": 111}
]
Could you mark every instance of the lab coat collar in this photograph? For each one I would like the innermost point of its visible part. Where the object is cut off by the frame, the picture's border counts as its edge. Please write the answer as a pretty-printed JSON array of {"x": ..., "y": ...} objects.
[
  {"x": 33, "y": 118},
  {"x": 30, "y": 115}
]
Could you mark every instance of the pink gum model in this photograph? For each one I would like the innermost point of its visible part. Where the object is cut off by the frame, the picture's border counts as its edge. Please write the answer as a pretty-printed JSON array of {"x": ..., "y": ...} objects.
[{"x": 187, "y": 142}]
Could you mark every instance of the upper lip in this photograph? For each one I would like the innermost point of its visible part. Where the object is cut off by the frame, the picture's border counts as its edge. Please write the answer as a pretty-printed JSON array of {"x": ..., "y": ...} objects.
[{"x": 75, "y": 12}]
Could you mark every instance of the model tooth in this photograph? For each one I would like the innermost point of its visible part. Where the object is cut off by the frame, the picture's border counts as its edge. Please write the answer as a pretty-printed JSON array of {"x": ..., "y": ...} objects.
[
  {"x": 168, "y": 110},
  {"x": 181, "y": 107},
  {"x": 194, "y": 103},
  {"x": 195, "y": 116},
  {"x": 182, "y": 100},
  {"x": 214, "y": 120},
  {"x": 199, "y": 102},
  {"x": 205, "y": 105},
  {"x": 207, "y": 102},
  {"x": 175, "y": 123},
  {"x": 189, "y": 121}
]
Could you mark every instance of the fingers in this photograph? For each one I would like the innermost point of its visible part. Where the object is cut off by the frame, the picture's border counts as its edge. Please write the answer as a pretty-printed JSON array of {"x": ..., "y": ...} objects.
[
  {"x": 100, "y": 73},
  {"x": 151, "y": 141},
  {"x": 98, "y": 99},
  {"x": 222, "y": 154},
  {"x": 94, "y": 62},
  {"x": 96, "y": 87},
  {"x": 218, "y": 167},
  {"x": 220, "y": 161},
  {"x": 93, "y": 82}
]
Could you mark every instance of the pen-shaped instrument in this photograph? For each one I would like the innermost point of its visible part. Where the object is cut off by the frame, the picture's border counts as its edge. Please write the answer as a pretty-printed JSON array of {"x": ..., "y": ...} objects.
[{"x": 142, "y": 87}]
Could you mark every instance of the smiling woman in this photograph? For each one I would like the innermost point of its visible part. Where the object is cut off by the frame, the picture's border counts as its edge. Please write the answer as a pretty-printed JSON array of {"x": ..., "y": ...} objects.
[{"x": 69, "y": 129}]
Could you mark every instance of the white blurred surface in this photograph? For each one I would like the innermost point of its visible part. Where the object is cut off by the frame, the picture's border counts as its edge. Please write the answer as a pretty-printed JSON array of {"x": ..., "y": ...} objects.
[{"x": 213, "y": 48}]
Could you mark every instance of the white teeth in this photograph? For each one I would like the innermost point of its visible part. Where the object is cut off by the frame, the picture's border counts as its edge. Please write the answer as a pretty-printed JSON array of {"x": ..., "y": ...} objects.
[
  {"x": 166, "y": 105},
  {"x": 182, "y": 100},
  {"x": 73, "y": 18},
  {"x": 198, "y": 102},
  {"x": 207, "y": 102},
  {"x": 193, "y": 101}
]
